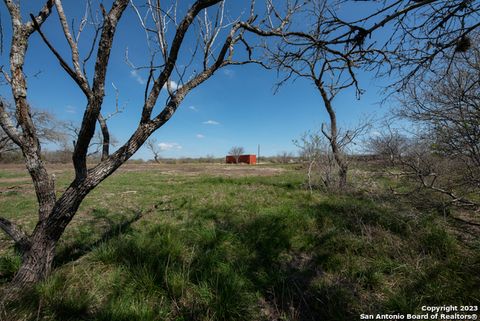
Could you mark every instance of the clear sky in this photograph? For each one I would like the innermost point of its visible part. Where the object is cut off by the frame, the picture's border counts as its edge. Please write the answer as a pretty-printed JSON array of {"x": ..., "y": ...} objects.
[{"x": 236, "y": 107}]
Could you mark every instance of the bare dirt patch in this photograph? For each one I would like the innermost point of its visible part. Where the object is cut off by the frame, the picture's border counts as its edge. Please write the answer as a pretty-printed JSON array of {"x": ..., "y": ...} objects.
[
  {"x": 205, "y": 169},
  {"x": 232, "y": 170},
  {"x": 18, "y": 173},
  {"x": 222, "y": 170},
  {"x": 15, "y": 179}
]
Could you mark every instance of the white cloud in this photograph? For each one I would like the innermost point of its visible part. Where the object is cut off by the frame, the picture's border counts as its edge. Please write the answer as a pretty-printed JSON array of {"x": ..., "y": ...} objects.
[
  {"x": 138, "y": 77},
  {"x": 375, "y": 133},
  {"x": 211, "y": 122},
  {"x": 173, "y": 85},
  {"x": 71, "y": 109},
  {"x": 200, "y": 136},
  {"x": 169, "y": 146},
  {"x": 229, "y": 73},
  {"x": 193, "y": 108}
]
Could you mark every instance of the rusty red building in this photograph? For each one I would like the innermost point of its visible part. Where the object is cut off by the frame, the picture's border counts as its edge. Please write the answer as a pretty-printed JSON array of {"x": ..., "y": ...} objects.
[{"x": 246, "y": 159}]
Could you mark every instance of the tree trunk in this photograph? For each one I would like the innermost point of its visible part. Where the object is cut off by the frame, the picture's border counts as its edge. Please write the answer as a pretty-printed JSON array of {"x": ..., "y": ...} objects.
[
  {"x": 36, "y": 262},
  {"x": 342, "y": 175},
  {"x": 37, "y": 258},
  {"x": 36, "y": 265},
  {"x": 333, "y": 138}
]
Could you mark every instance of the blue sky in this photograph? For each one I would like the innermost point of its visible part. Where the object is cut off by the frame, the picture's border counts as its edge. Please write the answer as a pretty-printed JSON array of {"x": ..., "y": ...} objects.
[{"x": 236, "y": 107}]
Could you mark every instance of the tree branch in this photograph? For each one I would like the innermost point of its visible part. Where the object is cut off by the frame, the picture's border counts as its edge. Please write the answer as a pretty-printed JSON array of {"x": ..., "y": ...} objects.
[
  {"x": 21, "y": 240},
  {"x": 8, "y": 127},
  {"x": 41, "y": 17},
  {"x": 105, "y": 137},
  {"x": 172, "y": 57},
  {"x": 73, "y": 46},
  {"x": 78, "y": 78},
  {"x": 87, "y": 129}
]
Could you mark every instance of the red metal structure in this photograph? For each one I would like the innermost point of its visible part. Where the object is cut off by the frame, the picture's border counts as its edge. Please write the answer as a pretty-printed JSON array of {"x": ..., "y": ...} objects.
[{"x": 247, "y": 159}]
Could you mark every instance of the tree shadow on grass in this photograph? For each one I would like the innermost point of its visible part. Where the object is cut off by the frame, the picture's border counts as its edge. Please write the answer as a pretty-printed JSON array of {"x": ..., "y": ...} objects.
[
  {"x": 71, "y": 307},
  {"x": 86, "y": 241},
  {"x": 282, "y": 274},
  {"x": 289, "y": 288},
  {"x": 85, "y": 236},
  {"x": 219, "y": 265}
]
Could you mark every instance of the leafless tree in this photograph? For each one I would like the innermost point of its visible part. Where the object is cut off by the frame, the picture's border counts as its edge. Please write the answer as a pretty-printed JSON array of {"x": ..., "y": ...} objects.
[
  {"x": 284, "y": 157},
  {"x": 421, "y": 168},
  {"x": 320, "y": 165},
  {"x": 449, "y": 109},
  {"x": 153, "y": 147},
  {"x": 319, "y": 44},
  {"x": 429, "y": 36},
  {"x": 389, "y": 143},
  {"x": 315, "y": 150},
  {"x": 101, "y": 141},
  {"x": 6, "y": 145},
  {"x": 166, "y": 31},
  {"x": 49, "y": 129},
  {"x": 309, "y": 50},
  {"x": 446, "y": 113},
  {"x": 236, "y": 152},
  {"x": 410, "y": 38}
]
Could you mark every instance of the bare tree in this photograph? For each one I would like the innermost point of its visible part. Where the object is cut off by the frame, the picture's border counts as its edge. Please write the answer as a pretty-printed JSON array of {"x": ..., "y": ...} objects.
[
  {"x": 217, "y": 41},
  {"x": 421, "y": 169},
  {"x": 49, "y": 129},
  {"x": 311, "y": 52},
  {"x": 446, "y": 114},
  {"x": 388, "y": 144},
  {"x": 153, "y": 147},
  {"x": 320, "y": 165},
  {"x": 236, "y": 152},
  {"x": 427, "y": 36},
  {"x": 328, "y": 49},
  {"x": 319, "y": 44},
  {"x": 315, "y": 150},
  {"x": 411, "y": 38},
  {"x": 101, "y": 141},
  {"x": 284, "y": 157},
  {"x": 448, "y": 109}
]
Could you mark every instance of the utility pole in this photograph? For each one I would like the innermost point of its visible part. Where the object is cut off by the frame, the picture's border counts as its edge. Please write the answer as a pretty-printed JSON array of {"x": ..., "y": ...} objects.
[{"x": 258, "y": 154}]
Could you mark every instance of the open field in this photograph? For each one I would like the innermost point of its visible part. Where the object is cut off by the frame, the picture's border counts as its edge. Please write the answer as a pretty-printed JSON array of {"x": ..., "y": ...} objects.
[{"x": 217, "y": 242}]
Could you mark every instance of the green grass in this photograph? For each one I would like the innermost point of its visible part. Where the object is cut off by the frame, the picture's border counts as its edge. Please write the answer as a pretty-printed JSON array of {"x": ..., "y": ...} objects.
[
  {"x": 13, "y": 174},
  {"x": 246, "y": 248}
]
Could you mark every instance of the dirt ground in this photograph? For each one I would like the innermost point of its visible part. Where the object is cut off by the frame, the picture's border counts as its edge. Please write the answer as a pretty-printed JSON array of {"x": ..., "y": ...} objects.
[
  {"x": 210, "y": 169},
  {"x": 17, "y": 172}
]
